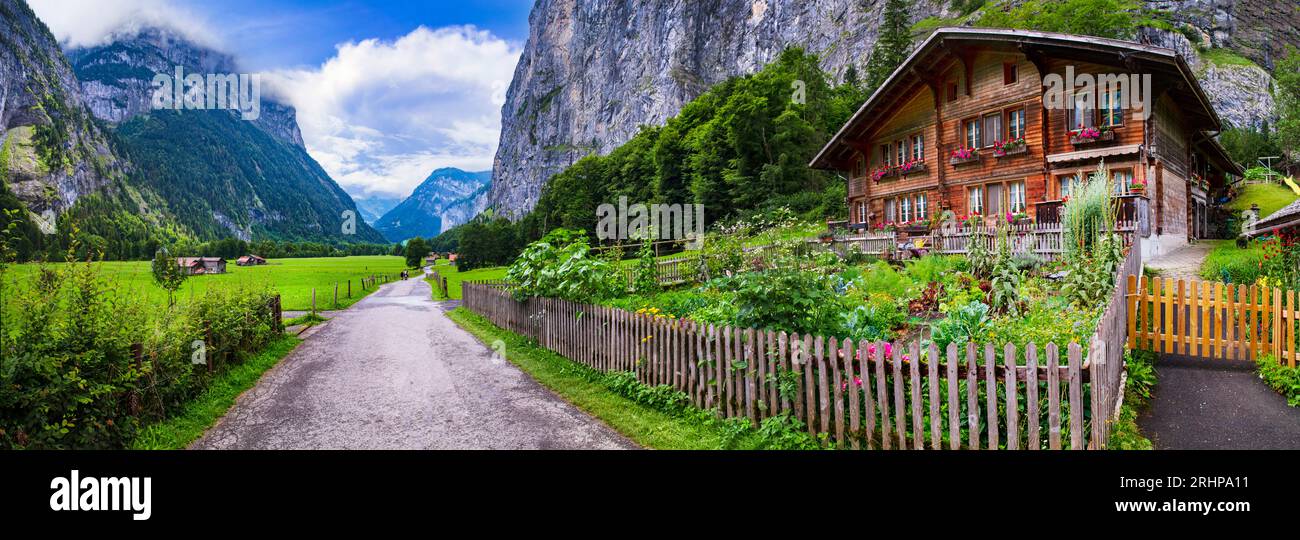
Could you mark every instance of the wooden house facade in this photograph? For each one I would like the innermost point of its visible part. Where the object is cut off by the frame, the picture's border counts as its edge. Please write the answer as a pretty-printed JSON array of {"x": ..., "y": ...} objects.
[{"x": 970, "y": 123}]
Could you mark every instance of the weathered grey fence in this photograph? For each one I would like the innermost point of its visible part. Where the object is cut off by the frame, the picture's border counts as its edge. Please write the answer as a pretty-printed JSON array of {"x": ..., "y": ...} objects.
[
  {"x": 1046, "y": 240},
  {"x": 855, "y": 394}
]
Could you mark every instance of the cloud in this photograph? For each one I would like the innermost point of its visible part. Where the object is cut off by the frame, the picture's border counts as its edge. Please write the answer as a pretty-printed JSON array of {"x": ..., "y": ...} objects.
[
  {"x": 87, "y": 23},
  {"x": 379, "y": 116}
]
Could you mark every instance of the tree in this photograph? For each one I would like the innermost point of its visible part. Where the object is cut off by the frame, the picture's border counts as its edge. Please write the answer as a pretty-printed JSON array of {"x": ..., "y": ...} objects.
[
  {"x": 416, "y": 250},
  {"x": 893, "y": 45},
  {"x": 1288, "y": 102},
  {"x": 167, "y": 274},
  {"x": 1117, "y": 19}
]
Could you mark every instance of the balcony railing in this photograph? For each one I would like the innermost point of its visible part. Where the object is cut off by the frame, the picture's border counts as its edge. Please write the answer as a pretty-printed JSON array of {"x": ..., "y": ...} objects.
[{"x": 1130, "y": 208}]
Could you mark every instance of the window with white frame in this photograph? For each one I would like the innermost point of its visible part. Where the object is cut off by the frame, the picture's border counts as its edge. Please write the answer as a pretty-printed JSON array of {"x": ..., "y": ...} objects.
[
  {"x": 972, "y": 128},
  {"x": 900, "y": 152},
  {"x": 884, "y": 154},
  {"x": 889, "y": 210},
  {"x": 976, "y": 199},
  {"x": 1082, "y": 113},
  {"x": 1122, "y": 177},
  {"x": 905, "y": 213},
  {"x": 862, "y": 211},
  {"x": 1015, "y": 124},
  {"x": 918, "y": 147},
  {"x": 1016, "y": 196},
  {"x": 992, "y": 129},
  {"x": 1112, "y": 112},
  {"x": 922, "y": 207}
]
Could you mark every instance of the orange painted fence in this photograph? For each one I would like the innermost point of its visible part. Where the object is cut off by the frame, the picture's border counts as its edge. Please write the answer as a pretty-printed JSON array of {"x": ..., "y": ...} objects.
[{"x": 1211, "y": 319}]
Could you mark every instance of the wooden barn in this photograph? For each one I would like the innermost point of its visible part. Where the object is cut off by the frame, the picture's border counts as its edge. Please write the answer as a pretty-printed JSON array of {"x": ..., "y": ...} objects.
[
  {"x": 202, "y": 265},
  {"x": 250, "y": 260}
]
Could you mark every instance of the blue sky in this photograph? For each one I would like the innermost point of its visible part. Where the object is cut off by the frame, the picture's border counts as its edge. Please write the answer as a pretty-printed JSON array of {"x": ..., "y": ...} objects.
[{"x": 386, "y": 92}]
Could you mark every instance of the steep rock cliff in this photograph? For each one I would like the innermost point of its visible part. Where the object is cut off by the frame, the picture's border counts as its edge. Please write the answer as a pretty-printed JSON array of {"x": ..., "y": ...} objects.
[
  {"x": 592, "y": 73},
  {"x": 51, "y": 150}
]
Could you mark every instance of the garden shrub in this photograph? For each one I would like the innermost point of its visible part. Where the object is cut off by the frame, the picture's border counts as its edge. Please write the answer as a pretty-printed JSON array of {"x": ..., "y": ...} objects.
[
  {"x": 785, "y": 299},
  {"x": 1284, "y": 379},
  {"x": 69, "y": 377},
  {"x": 560, "y": 265}
]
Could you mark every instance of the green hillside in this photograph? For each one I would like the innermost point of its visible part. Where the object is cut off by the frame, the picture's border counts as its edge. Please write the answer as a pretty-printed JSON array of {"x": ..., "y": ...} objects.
[{"x": 220, "y": 174}]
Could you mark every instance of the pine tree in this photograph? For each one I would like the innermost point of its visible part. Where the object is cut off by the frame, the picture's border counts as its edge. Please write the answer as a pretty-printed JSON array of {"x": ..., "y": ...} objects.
[{"x": 892, "y": 45}]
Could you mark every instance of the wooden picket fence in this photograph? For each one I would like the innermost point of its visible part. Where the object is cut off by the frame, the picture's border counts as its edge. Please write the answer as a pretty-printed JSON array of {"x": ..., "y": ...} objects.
[
  {"x": 855, "y": 394},
  {"x": 1211, "y": 319},
  {"x": 1045, "y": 240}
]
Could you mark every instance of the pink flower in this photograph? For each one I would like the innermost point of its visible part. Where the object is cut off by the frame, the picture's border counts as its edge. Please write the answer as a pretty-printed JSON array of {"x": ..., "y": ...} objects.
[
  {"x": 857, "y": 380},
  {"x": 889, "y": 350},
  {"x": 871, "y": 349}
]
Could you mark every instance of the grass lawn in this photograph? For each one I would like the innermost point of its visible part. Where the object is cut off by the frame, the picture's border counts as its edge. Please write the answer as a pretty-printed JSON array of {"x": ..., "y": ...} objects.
[
  {"x": 455, "y": 276},
  {"x": 582, "y": 387},
  {"x": 1227, "y": 262},
  {"x": 294, "y": 279},
  {"x": 1269, "y": 197},
  {"x": 197, "y": 416}
]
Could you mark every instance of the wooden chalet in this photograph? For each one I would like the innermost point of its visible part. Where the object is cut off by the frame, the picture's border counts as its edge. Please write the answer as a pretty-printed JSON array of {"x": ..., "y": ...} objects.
[
  {"x": 250, "y": 260},
  {"x": 202, "y": 265},
  {"x": 966, "y": 124}
]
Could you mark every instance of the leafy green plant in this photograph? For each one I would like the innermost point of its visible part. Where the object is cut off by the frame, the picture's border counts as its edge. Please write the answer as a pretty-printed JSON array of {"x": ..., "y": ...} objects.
[
  {"x": 961, "y": 326},
  {"x": 1280, "y": 377},
  {"x": 646, "y": 278},
  {"x": 167, "y": 274},
  {"x": 560, "y": 266}
]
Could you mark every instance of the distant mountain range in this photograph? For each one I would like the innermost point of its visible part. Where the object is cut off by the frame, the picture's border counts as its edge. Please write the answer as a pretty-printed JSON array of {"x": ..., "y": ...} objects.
[
  {"x": 82, "y": 149},
  {"x": 448, "y": 197},
  {"x": 375, "y": 207}
]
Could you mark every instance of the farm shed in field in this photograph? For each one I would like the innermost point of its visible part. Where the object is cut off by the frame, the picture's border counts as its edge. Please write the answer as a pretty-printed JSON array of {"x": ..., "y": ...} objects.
[
  {"x": 202, "y": 265},
  {"x": 250, "y": 260}
]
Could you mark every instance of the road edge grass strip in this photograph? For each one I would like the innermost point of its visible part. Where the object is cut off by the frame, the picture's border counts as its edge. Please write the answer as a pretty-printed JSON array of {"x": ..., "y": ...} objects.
[
  {"x": 204, "y": 410},
  {"x": 1283, "y": 379},
  {"x": 1141, "y": 381},
  {"x": 653, "y": 417}
]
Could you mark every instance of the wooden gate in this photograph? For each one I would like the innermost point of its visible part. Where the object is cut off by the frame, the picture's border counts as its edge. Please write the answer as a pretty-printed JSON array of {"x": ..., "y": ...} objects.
[{"x": 1211, "y": 319}]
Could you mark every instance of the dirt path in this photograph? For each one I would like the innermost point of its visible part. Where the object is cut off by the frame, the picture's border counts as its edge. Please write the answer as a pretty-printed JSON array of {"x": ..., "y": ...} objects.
[
  {"x": 1211, "y": 405},
  {"x": 393, "y": 371}
]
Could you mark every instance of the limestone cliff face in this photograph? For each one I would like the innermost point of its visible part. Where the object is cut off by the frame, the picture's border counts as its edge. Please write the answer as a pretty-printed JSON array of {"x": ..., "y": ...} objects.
[
  {"x": 117, "y": 78},
  {"x": 51, "y": 150},
  {"x": 593, "y": 72}
]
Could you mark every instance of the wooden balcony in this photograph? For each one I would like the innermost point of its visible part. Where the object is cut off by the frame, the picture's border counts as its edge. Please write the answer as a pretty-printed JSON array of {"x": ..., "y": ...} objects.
[{"x": 1130, "y": 209}]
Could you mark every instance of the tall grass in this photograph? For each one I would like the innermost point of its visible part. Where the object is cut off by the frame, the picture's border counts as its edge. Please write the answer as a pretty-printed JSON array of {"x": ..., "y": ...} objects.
[{"x": 1089, "y": 212}]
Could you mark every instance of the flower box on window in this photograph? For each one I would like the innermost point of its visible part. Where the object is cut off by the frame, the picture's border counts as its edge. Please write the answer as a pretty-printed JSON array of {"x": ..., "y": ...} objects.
[
  {"x": 910, "y": 167},
  {"x": 880, "y": 174},
  {"x": 962, "y": 156},
  {"x": 1090, "y": 135},
  {"x": 1014, "y": 147}
]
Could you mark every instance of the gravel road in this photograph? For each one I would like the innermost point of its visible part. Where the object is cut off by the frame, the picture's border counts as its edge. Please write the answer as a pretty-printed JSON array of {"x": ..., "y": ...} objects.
[{"x": 393, "y": 372}]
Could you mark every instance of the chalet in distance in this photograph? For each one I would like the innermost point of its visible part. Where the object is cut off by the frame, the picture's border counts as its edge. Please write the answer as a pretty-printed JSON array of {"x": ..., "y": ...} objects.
[
  {"x": 963, "y": 125},
  {"x": 195, "y": 266}
]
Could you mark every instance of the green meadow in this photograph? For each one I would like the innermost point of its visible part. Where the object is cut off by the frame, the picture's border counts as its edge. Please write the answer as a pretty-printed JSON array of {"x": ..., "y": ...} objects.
[
  {"x": 294, "y": 279},
  {"x": 455, "y": 277}
]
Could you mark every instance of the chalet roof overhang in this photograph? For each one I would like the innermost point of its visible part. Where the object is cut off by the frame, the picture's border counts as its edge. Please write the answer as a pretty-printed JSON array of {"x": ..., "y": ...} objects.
[{"x": 947, "y": 47}]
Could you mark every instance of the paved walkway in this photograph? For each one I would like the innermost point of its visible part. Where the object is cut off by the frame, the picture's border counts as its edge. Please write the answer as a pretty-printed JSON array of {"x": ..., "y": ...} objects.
[
  {"x": 393, "y": 371},
  {"x": 1217, "y": 405},
  {"x": 1182, "y": 263}
]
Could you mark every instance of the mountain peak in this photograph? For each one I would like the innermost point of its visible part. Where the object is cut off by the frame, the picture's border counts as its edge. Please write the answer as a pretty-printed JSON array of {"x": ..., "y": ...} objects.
[{"x": 447, "y": 197}]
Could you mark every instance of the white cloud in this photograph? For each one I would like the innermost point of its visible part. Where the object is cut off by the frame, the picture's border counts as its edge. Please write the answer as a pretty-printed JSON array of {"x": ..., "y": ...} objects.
[
  {"x": 86, "y": 23},
  {"x": 379, "y": 116}
]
